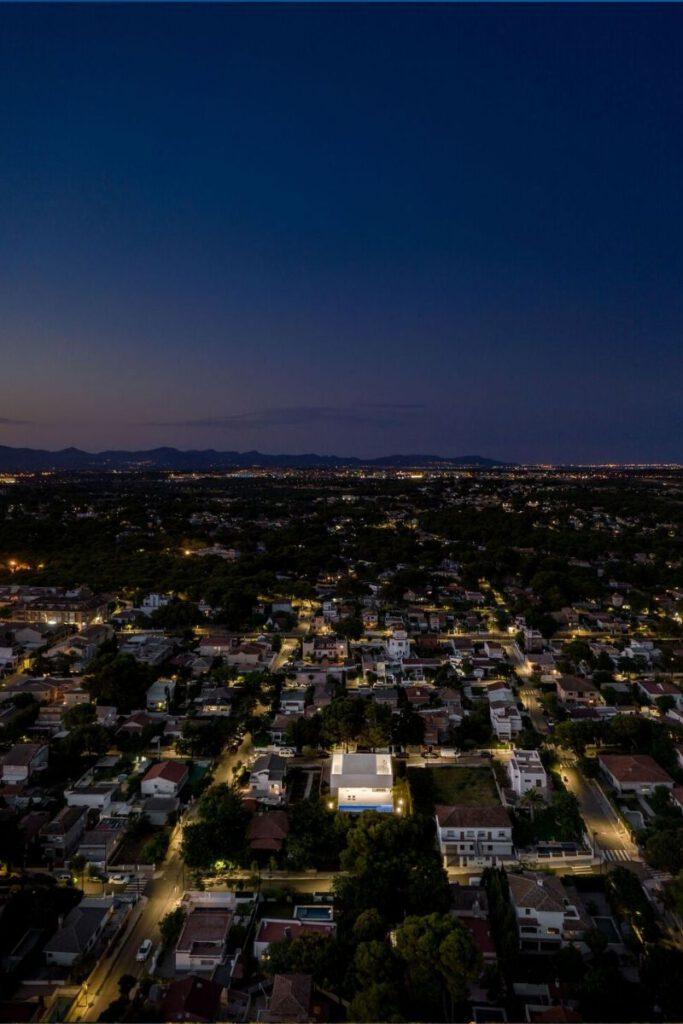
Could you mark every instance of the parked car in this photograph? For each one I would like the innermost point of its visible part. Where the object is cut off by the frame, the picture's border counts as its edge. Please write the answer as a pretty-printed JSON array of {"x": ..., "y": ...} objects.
[{"x": 144, "y": 950}]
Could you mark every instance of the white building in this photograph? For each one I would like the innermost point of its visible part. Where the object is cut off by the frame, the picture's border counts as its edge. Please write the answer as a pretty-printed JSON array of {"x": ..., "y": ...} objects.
[
  {"x": 152, "y": 603},
  {"x": 398, "y": 645},
  {"x": 526, "y": 772},
  {"x": 160, "y": 695},
  {"x": 96, "y": 795},
  {"x": 548, "y": 914},
  {"x": 165, "y": 779},
  {"x": 23, "y": 761},
  {"x": 362, "y": 782},
  {"x": 267, "y": 778},
  {"x": 474, "y": 836},
  {"x": 506, "y": 721},
  {"x": 203, "y": 942},
  {"x": 634, "y": 773}
]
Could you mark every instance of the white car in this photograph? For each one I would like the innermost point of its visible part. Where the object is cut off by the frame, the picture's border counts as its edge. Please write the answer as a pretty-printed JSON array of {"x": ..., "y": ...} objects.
[
  {"x": 144, "y": 951},
  {"x": 119, "y": 878}
]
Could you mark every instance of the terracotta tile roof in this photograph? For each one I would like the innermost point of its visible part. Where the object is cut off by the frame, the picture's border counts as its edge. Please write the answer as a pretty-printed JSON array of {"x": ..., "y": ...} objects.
[
  {"x": 464, "y": 816},
  {"x": 268, "y": 831},
  {"x": 291, "y": 997},
  {"x": 635, "y": 768},
  {"x": 171, "y": 771},
  {"x": 192, "y": 998},
  {"x": 281, "y": 929}
]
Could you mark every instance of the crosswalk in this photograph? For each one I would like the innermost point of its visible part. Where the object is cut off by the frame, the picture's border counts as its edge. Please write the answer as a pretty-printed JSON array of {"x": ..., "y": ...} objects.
[
  {"x": 136, "y": 887},
  {"x": 618, "y": 855}
]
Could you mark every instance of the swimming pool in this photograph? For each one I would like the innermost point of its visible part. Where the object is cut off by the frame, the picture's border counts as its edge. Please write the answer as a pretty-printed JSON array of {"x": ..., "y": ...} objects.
[
  {"x": 608, "y": 928},
  {"x": 308, "y": 912}
]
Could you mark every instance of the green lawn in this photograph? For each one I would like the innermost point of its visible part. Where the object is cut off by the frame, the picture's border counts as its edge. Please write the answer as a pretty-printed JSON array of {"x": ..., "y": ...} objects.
[{"x": 474, "y": 787}]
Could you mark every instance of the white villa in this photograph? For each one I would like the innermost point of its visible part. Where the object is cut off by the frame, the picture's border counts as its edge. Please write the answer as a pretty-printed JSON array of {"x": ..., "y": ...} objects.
[{"x": 362, "y": 782}]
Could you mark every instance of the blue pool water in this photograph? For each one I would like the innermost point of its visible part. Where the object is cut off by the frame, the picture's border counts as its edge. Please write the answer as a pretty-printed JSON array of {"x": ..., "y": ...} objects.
[{"x": 312, "y": 913}]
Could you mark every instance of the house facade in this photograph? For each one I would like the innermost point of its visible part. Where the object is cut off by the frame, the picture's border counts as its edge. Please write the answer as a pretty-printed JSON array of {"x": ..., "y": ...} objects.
[
  {"x": 634, "y": 773},
  {"x": 548, "y": 914},
  {"x": 362, "y": 782},
  {"x": 526, "y": 773},
  {"x": 474, "y": 836}
]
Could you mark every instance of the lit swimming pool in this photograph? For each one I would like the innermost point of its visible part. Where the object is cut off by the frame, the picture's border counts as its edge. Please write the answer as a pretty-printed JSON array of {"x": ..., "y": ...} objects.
[{"x": 310, "y": 912}]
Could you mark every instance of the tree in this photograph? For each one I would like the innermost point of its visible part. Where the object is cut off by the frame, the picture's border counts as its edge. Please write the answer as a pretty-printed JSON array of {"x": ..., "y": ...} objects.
[
  {"x": 77, "y": 864},
  {"x": 220, "y": 832},
  {"x": 352, "y": 628},
  {"x": 304, "y": 732},
  {"x": 437, "y": 952},
  {"x": 171, "y": 926},
  {"x": 369, "y": 925},
  {"x": 177, "y": 615},
  {"x": 532, "y": 799},
  {"x": 390, "y": 865},
  {"x": 408, "y": 728},
  {"x": 674, "y": 894},
  {"x": 79, "y": 715},
  {"x": 377, "y": 1002},
  {"x": 374, "y": 961},
  {"x": 154, "y": 850},
  {"x": 316, "y": 954},
  {"x": 316, "y": 836},
  {"x": 127, "y": 983},
  {"x": 664, "y": 850},
  {"x": 376, "y": 730},
  {"x": 343, "y": 720},
  {"x": 86, "y": 739},
  {"x": 120, "y": 681}
]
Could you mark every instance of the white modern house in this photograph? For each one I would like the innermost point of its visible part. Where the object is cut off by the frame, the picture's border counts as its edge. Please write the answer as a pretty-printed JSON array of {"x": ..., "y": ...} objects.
[
  {"x": 362, "y": 782},
  {"x": 526, "y": 772}
]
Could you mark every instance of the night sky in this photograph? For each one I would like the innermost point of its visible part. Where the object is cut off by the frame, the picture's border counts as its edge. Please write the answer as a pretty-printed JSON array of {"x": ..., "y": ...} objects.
[{"x": 351, "y": 229}]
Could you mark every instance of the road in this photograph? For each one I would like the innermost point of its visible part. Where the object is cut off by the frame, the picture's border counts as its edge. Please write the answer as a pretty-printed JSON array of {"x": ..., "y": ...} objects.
[
  {"x": 163, "y": 893},
  {"x": 529, "y": 697},
  {"x": 602, "y": 822}
]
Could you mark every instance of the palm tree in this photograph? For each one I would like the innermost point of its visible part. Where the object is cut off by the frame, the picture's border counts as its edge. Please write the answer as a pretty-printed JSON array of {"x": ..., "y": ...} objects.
[{"x": 532, "y": 799}]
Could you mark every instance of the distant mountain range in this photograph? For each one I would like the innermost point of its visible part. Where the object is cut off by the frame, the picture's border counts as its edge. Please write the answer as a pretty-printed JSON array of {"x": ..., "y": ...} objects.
[{"x": 33, "y": 459}]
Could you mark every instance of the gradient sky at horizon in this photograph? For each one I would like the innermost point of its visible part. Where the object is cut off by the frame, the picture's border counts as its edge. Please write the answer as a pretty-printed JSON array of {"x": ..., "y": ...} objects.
[{"x": 360, "y": 230}]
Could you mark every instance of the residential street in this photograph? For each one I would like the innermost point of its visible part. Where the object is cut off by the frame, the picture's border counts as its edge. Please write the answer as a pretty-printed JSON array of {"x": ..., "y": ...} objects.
[
  {"x": 602, "y": 823},
  {"x": 162, "y": 894}
]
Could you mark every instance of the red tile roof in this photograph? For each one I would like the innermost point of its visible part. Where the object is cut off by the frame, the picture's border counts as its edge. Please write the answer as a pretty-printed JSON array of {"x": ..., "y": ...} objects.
[
  {"x": 465, "y": 816},
  {"x": 635, "y": 768},
  {"x": 171, "y": 771}
]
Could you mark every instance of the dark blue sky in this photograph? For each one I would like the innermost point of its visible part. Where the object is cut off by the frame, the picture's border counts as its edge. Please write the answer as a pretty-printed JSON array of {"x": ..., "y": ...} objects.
[{"x": 353, "y": 229}]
